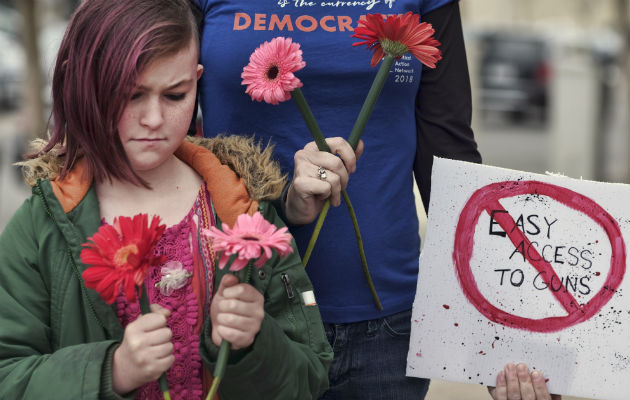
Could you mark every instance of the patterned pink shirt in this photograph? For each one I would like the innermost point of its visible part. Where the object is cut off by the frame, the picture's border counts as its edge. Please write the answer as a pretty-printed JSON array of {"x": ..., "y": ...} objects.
[{"x": 187, "y": 259}]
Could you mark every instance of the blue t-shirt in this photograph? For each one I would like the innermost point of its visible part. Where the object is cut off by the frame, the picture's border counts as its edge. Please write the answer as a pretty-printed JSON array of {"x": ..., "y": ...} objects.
[{"x": 336, "y": 80}]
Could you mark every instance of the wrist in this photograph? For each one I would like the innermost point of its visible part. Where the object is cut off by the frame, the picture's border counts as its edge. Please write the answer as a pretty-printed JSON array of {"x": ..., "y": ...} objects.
[
  {"x": 121, "y": 381},
  {"x": 293, "y": 210}
]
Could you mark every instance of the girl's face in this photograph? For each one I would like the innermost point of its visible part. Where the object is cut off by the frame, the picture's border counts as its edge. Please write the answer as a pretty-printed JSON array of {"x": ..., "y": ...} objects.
[{"x": 156, "y": 120}]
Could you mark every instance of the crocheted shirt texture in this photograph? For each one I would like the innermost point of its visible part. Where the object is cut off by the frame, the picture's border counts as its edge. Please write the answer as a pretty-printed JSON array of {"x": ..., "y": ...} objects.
[{"x": 183, "y": 244}]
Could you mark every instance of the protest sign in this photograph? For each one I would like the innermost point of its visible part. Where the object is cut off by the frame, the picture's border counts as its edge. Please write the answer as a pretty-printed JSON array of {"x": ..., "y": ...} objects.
[{"x": 522, "y": 267}]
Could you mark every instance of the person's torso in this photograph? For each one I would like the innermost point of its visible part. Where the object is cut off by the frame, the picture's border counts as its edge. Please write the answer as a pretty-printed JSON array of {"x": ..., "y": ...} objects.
[{"x": 336, "y": 80}]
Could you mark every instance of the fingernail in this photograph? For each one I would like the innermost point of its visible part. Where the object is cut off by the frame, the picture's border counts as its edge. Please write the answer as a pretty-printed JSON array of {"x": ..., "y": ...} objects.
[{"x": 536, "y": 374}]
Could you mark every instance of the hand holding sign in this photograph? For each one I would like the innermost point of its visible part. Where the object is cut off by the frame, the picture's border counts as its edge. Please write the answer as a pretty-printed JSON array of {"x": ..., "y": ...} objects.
[{"x": 516, "y": 382}]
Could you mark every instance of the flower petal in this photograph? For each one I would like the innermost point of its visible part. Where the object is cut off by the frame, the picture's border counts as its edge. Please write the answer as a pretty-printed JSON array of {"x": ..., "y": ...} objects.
[
  {"x": 407, "y": 30},
  {"x": 252, "y": 238},
  {"x": 111, "y": 270}
]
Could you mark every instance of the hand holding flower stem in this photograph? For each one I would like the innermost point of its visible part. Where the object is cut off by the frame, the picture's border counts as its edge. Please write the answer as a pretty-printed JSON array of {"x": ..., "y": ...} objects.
[
  {"x": 269, "y": 77},
  {"x": 316, "y": 132},
  {"x": 224, "y": 349},
  {"x": 145, "y": 308},
  {"x": 317, "y": 135},
  {"x": 119, "y": 256},
  {"x": 251, "y": 241}
]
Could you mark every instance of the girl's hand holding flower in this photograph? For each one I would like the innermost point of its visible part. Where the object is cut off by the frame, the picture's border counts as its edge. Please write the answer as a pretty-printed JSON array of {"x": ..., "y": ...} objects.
[
  {"x": 146, "y": 351},
  {"x": 237, "y": 311},
  {"x": 309, "y": 190},
  {"x": 120, "y": 256}
]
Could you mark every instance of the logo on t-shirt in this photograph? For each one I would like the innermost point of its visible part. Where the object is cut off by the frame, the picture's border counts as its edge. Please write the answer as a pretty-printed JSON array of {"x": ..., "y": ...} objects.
[{"x": 335, "y": 22}]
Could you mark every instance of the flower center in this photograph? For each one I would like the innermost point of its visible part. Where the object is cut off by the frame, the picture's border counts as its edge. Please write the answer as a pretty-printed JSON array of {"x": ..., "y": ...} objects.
[
  {"x": 251, "y": 238},
  {"x": 122, "y": 254},
  {"x": 272, "y": 72}
]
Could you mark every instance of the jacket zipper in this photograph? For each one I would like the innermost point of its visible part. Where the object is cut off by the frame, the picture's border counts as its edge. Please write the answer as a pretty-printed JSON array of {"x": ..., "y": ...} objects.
[
  {"x": 75, "y": 268},
  {"x": 287, "y": 285}
]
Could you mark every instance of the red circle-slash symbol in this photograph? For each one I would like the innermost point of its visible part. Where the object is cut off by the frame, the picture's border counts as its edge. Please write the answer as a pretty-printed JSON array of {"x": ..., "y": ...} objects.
[{"x": 487, "y": 199}]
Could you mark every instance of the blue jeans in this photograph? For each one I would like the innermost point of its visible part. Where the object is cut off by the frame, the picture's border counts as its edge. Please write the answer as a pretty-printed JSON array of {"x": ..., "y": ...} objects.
[{"x": 371, "y": 359}]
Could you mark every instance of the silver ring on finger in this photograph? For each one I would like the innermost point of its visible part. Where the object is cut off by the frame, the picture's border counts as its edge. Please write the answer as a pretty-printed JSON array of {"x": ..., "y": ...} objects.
[{"x": 321, "y": 171}]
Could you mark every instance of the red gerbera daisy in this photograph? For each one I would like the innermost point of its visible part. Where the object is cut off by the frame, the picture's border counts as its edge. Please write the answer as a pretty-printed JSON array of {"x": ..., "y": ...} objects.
[
  {"x": 398, "y": 35},
  {"x": 251, "y": 238},
  {"x": 120, "y": 255}
]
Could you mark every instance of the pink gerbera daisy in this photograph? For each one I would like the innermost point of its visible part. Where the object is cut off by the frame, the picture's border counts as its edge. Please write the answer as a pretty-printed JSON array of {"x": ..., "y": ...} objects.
[
  {"x": 269, "y": 74},
  {"x": 398, "y": 35},
  {"x": 251, "y": 238},
  {"x": 120, "y": 255}
]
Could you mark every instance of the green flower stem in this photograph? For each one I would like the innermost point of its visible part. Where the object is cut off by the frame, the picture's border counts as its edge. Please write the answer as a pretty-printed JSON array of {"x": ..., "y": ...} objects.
[
  {"x": 224, "y": 349},
  {"x": 366, "y": 271},
  {"x": 316, "y": 132},
  {"x": 145, "y": 308},
  {"x": 318, "y": 228},
  {"x": 370, "y": 100},
  {"x": 309, "y": 118},
  {"x": 219, "y": 369},
  {"x": 317, "y": 135}
]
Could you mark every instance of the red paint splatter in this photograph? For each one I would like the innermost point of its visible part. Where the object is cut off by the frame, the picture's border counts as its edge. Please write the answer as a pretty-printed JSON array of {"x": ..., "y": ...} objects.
[
  {"x": 483, "y": 353},
  {"x": 546, "y": 380},
  {"x": 558, "y": 339},
  {"x": 456, "y": 324},
  {"x": 446, "y": 306},
  {"x": 597, "y": 273},
  {"x": 418, "y": 354}
]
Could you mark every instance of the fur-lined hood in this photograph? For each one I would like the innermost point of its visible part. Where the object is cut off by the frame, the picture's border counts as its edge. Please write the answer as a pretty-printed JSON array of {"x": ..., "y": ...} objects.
[{"x": 261, "y": 174}]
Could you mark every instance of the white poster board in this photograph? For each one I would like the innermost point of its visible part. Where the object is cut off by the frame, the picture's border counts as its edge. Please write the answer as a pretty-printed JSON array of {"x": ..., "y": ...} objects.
[{"x": 522, "y": 267}]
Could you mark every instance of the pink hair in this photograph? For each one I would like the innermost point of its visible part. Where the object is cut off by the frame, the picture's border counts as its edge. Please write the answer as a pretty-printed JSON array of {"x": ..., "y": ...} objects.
[{"x": 105, "y": 48}]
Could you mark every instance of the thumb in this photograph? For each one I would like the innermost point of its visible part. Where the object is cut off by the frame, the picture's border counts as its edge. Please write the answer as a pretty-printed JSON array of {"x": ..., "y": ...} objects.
[
  {"x": 359, "y": 150},
  {"x": 227, "y": 281},
  {"x": 158, "y": 309}
]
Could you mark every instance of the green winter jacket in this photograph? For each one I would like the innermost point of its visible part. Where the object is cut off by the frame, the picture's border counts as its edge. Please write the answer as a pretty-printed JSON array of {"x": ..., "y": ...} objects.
[{"x": 57, "y": 337}]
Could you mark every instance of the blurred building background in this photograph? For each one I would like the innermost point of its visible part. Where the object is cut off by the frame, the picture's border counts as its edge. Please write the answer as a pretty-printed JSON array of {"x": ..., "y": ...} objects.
[{"x": 550, "y": 84}]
